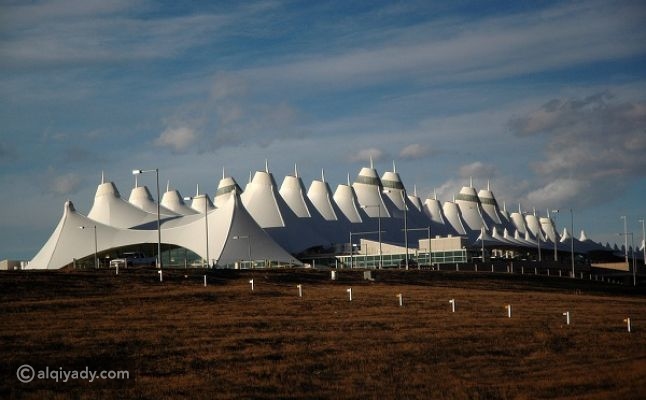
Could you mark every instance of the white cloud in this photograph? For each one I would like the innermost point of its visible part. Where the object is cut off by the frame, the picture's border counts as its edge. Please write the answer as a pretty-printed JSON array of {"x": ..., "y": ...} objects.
[
  {"x": 594, "y": 147},
  {"x": 178, "y": 139},
  {"x": 65, "y": 184},
  {"x": 364, "y": 155},
  {"x": 414, "y": 151},
  {"x": 477, "y": 170}
]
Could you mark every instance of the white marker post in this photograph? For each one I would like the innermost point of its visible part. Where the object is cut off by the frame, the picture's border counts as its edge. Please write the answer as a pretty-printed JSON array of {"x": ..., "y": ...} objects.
[
  {"x": 204, "y": 280},
  {"x": 567, "y": 317},
  {"x": 251, "y": 281},
  {"x": 627, "y": 321},
  {"x": 401, "y": 299},
  {"x": 161, "y": 276},
  {"x": 508, "y": 307},
  {"x": 300, "y": 290},
  {"x": 452, "y": 302},
  {"x": 349, "y": 290},
  {"x": 117, "y": 270}
]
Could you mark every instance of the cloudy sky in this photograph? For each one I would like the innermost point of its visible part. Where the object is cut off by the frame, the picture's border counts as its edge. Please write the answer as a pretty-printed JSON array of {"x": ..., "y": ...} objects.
[{"x": 546, "y": 100}]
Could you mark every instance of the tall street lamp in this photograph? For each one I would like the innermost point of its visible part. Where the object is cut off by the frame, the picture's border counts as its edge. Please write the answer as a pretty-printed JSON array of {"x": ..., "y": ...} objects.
[
  {"x": 572, "y": 239},
  {"x": 632, "y": 244},
  {"x": 156, "y": 171},
  {"x": 351, "y": 244},
  {"x": 556, "y": 258},
  {"x": 625, "y": 237},
  {"x": 248, "y": 237},
  {"x": 378, "y": 229},
  {"x": 96, "y": 246},
  {"x": 404, "y": 197},
  {"x": 206, "y": 223},
  {"x": 428, "y": 232},
  {"x": 643, "y": 239}
]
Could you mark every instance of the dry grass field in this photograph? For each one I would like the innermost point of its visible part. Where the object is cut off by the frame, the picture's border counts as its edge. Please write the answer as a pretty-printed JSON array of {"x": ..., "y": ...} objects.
[{"x": 179, "y": 339}]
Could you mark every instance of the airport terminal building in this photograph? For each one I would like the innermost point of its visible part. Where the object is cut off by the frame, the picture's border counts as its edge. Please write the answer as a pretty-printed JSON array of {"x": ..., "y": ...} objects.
[{"x": 373, "y": 222}]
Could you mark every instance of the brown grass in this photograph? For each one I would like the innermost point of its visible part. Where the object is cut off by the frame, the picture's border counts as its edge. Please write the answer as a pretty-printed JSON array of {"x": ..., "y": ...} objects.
[{"x": 178, "y": 339}]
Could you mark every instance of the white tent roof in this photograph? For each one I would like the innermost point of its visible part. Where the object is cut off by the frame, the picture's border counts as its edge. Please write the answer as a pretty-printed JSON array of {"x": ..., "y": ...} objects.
[
  {"x": 140, "y": 197},
  {"x": 69, "y": 242},
  {"x": 110, "y": 209},
  {"x": 346, "y": 200},
  {"x": 173, "y": 201},
  {"x": 226, "y": 185},
  {"x": 469, "y": 204},
  {"x": 269, "y": 210},
  {"x": 452, "y": 213}
]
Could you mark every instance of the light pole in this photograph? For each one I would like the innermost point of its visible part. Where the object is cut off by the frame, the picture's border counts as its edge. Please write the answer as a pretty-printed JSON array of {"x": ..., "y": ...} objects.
[
  {"x": 206, "y": 223},
  {"x": 156, "y": 171},
  {"x": 625, "y": 238},
  {"x": 556, "y": 258},
  {"x": 404, "y": 197},
  {"x": 248, "y": 237},
  {"x": 572, "y": 239},
  {"x": 351, "y": 244},
  {"x": 538, "y": 240},
  {"x": 643, "y": 239},
  {"x": 96, "y": 246},
  {"x": 428, "y": 231},
  {"x": 632, "y": 244},
  {"x": 379, "y": 229}
]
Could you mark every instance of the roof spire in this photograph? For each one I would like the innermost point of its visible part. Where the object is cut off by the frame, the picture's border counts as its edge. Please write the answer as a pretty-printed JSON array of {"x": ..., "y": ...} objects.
[
  {"x": 348, "y": 179},
  {"x": 322, "y": 175},
  {"x": 102, "y": 177},
  {"x": 295, "y": 171},
  {"x": 136, "y": 180},
  {"x": 520, "y": 211},
  {"x": 394, "y": 167},
  {"x": 488, "y": 185},
  {"x": 415, "y": 190},
  {"x": 168, "y": 185},
  {"x": 434, "y": 194},
  {"x": 197, "y": 190},
  {"x": 250, "y": 176},
  {"x": 504, "y": 206},
  {"x": 470, "y": 181},
  {"x": 372, "y": 165},
  {"x": 266, "y": 166},
  {"x": 223, "y": 176}
]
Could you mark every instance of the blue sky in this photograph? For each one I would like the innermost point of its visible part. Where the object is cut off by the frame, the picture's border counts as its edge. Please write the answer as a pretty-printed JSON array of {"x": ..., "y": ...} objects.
[{"x": 547, "y": 100}]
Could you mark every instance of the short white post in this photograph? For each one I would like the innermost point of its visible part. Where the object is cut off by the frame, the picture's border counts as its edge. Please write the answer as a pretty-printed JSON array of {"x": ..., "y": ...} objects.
[
  {"x": 456, "y": 267},
  {"x": 567, "y": 317},
  {"x": 401, "y": 299},
  {"x": 627, "y": 321},
  {"x": 508, "y": 307},
  {"x": 333, "y": 275},
  {"x": 251, "y": 281},
  {"x": 452, "y": 302},
  {"x": 476, "y": 267},
  {"x": 535, "y": 271},
  {"x": 300, "y": 290},
  {"x": 548, "y": 272},
  {"x": 349, "y": 290},
  {"x": 161, "y": 276},
  {"x": 117, "y": 270},
  {"x": 204, "y": 280},
  {"x": 491, "y": 267},
  {"x": 560, "y": 273},
  {"x": 522, "y": 270}
]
